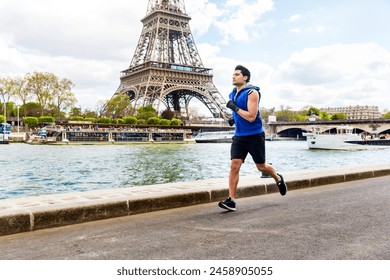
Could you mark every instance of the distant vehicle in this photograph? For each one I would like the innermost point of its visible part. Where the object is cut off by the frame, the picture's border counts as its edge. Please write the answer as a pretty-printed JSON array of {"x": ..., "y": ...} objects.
[
  {"x": 5, "y": 130},
  {"x": 215, "y": 137},
  {"x": 344, "y": 138}
]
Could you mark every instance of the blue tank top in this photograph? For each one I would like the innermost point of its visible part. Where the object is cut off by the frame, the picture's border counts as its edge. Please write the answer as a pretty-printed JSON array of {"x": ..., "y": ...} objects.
[{"x": 244, "y": 127}]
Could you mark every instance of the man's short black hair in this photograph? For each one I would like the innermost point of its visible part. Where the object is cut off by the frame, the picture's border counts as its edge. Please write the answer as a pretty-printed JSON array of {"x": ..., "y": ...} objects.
[{"x": 244, "y": 71}]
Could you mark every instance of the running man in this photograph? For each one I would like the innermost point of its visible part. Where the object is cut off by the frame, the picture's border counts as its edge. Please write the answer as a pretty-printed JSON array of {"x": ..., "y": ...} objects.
[{"x": 249, "y": 136}]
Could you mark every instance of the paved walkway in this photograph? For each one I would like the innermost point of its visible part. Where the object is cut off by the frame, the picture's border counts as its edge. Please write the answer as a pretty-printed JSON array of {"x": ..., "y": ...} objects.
[
  {"x": 47, "y": 211},
  {"x": 340, "y": 221}
]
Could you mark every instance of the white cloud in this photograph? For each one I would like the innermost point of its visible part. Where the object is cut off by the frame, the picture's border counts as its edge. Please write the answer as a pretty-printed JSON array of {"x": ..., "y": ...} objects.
[
  {"x": 234, "y": 3},
  {"x": 239, "y": 23},
  {"x": 309, "y": 30},
  {"x": 295, "y": 30},
  {"x": 294, "y": 18},
  {"x": 335, "y": 62},
  {"x": 90, "y": 42},
  {"x": 317, "y": 29},
  {"x": 203, "y": 15},
  {"x": 87, "y": 41},
  {"x": 336, "y": 75},
  {"x": 76, "y": 28}
]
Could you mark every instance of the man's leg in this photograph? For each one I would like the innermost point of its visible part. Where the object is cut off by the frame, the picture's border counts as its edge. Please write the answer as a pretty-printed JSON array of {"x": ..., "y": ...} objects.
[
  {"x": 234, "y": 176},
  {"x": 267, "y": 168},
  {"x": 229, "y": 203}
]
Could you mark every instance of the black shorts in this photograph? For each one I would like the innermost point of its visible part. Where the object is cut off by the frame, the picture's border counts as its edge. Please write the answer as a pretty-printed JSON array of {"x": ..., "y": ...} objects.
[{"x": 252, "y": 144}]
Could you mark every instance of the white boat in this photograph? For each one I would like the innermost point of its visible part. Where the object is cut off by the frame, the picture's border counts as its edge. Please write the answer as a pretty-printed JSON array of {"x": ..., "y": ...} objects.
[
  {"x": 46, "y": 135},
  {"x": 341, "y": 138},
  {"x": 215, "y": 137}
]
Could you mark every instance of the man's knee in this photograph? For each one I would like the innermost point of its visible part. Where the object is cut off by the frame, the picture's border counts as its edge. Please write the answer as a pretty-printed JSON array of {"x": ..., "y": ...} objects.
[
  {"x": 235, "y": 165},
  {"x": 261, "y": 167}
]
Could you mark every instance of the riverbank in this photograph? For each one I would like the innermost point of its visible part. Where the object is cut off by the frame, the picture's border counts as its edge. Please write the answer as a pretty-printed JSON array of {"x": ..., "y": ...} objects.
[
  {"x": 34, "y": 213},
  {"x": 105, "y": 143}
]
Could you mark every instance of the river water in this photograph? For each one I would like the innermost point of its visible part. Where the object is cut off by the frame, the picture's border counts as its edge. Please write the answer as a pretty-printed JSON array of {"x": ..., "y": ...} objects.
[{"x": 29, "y": 170}]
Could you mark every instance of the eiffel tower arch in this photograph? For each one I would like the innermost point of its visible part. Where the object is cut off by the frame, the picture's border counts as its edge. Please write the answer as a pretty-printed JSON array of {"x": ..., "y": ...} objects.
[{"x": 166, "y": 68}]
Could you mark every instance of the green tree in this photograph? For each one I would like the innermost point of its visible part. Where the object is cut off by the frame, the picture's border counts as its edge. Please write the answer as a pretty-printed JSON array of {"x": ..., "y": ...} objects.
[
  {"x": 167, "y": 114},
  {"x": 301, "y": 115},
  {"x": 117, "y": 106},
  {"x": 8, "y": 108},
  {"x": 175, "y": 122},
  {"x": 75, "y": 112},
  {"x": 339, "y": 116},
  {"x": 153, "y": 121},
  {"x": 21, "y": 90},
  {"x": 324, "y": 116},
  {"x": 6, "y": 92},
  {"x": 42, "y": 86},
  {"x": 103, "y": 120},
  {"x": 31, "y": 121},
  {"x": 130, "y": 120},
  {"x": 313, "y": 110},
  {"x": 265, "y": 113},
  {"x": 386, "y": 115},
  {"x": 46, "y": 119},
  {"x": 119, "y": 121},
  {"x": 141, "y": 122},
  {"x": 63, "y": 97},
  {"x": 54, "y": 94},
  {"x": 54, "y": 111},
  {"x": 146, "y": 112},
  {"x": 92, "y": 120},
  {"x": 164, "y": 122},
  {"x": 77, "y": 119},
  {"x": 32, "y": 109},
  {"x": 286, "y": 114},
  {"x": 90, "y": 114}
]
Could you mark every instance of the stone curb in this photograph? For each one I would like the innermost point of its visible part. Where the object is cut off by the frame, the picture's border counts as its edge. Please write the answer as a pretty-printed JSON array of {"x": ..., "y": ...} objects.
[{"x": 31, "y": 215}]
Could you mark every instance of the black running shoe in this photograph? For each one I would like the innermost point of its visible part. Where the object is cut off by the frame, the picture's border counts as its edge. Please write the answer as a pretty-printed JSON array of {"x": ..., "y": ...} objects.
[
  {"x": 282, "y": 185},
  {"x": 228, "y": 204}
]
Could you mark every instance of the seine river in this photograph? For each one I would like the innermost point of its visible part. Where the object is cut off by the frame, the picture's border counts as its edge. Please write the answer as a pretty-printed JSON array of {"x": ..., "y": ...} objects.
[{"x": 29, "y": 170}]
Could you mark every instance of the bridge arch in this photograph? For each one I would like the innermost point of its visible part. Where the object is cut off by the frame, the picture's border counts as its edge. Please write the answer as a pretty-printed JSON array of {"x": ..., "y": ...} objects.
[{"x": 294, "y": 129}]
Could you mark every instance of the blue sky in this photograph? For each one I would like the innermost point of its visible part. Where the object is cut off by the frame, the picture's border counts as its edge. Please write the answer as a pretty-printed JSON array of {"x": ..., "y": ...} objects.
[{"x": 323, "y": 53}]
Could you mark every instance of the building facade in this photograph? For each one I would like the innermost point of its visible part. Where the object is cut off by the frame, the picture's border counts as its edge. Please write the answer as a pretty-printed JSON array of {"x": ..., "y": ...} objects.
[{"x": 356, "y": 112}]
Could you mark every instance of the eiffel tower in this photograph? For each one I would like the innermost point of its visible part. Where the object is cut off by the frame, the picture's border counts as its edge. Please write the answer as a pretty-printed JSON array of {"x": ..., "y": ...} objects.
[{"x": 166, "y": 67}]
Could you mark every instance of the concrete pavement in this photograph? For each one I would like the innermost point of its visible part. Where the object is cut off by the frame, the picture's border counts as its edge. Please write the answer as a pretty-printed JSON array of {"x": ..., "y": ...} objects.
[
  {"x": 339, "y": 221},
  {"x": 47, "y": 211}
]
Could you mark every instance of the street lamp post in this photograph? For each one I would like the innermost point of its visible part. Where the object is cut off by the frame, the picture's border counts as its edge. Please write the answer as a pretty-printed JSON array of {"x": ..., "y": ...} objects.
[{"x": 18, "y": 119}]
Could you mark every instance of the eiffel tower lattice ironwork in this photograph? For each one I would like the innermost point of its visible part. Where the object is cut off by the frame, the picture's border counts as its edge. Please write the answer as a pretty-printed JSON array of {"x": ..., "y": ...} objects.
[{"x": 166, "y": 67}]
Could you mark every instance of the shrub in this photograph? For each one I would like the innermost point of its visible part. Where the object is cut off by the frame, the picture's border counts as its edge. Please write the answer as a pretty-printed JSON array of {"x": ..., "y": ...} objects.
[
  {"x": 46, "y": 119},
  {"x": 175, "y": 122},
  {"x": 141, "y": 121},
  {"x": 31, "y": 121},
  {"x": 103, "y": 120},
  {"x": 168, "y": 114},
  {"x": 130, "y": 120},
  {"x": 119, "y": 121},
  {"x": 146, "y": 113},
  {"x": 153, "y": 120},
  {"x": 77, "y": 119},
  {"x": 386, "y": 115},
  {"x": 92, "y": 120},
  {"x": 2, "y": 118},
  {"x": 339, "y": 116},
  {"x": 164, "y": 122}
]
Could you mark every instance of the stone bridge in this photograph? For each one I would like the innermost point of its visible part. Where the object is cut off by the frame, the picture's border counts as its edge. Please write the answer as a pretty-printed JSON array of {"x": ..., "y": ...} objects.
[{"x": 295, "y": 129}]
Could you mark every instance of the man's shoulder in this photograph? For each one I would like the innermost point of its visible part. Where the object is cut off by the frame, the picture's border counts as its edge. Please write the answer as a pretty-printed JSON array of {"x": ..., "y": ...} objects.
[{"x": 251, "y": 88}]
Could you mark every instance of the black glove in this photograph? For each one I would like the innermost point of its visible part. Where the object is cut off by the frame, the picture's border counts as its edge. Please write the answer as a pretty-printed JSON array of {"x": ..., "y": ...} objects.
[
  {"x": 231, "y": 121},
  {"x": 232, "y": 105}
]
